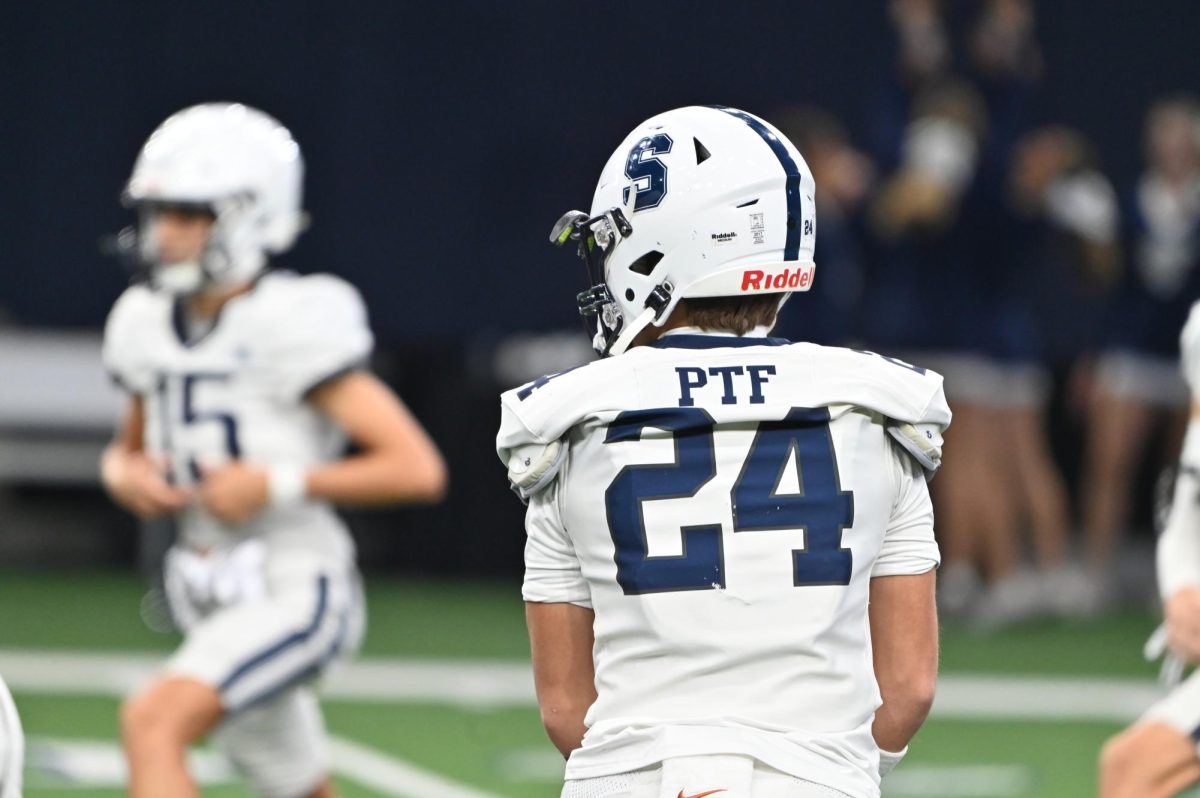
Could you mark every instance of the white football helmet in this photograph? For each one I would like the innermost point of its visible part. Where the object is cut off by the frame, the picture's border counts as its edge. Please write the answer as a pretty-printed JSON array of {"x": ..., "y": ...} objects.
[
  {"x": 696, "y": 202},
  {"x": 233, "y": 161}
]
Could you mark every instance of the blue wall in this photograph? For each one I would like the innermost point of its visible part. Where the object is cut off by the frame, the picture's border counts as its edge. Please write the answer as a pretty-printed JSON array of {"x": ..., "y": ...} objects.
[{"x": 444, "y": 139}]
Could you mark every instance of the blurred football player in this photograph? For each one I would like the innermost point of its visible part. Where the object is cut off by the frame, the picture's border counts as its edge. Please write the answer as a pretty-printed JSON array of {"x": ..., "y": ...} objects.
[
  {"x": 12, "y": 746},
  {"x": 1158, "y": 757},
  {"x": 1137, "y": 381},
  {"x": 711, "y": 510},
  {"x": 243, "y": 386}
]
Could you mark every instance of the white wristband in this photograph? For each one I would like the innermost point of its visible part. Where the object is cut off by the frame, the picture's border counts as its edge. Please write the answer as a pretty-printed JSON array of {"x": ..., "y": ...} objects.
[
  {"x": 888, "y": 760},
  {"x": 287, "y": 485}
]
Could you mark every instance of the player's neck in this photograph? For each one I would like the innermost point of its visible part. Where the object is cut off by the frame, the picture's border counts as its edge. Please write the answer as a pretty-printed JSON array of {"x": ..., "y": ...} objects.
[
  {"x": 651, "y": 333},
  {"x": 207, "y": 304}
]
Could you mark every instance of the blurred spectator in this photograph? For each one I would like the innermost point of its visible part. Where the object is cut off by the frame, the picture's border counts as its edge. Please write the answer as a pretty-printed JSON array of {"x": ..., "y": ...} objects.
[
  {"x": 1052, "y": 245},
  {"x": 844, "y": 176},
  {"x": 1004, "y": 62},
  {"x": 918, "y": 298},
  {"x": 922, "y": 45},
  {"x": 928, "y": 301},
  {"x": 922, "y": 57},
  {"x": 1002, "y": 45},
  {"x": 1136, "y": 378}
]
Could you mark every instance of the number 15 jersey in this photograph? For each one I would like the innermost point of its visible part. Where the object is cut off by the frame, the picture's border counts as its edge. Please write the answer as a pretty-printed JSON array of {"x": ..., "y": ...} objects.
[
  {"x": 237, "y": 392},
  {"x": 722, "y": 507}
]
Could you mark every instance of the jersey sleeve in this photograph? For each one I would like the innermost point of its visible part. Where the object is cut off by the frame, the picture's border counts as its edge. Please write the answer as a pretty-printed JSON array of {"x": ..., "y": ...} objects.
[
  {"x": 909, "y": 547},
  {"x": 322, "y": 333},
  {"x": 552, "y": 572},
  {"x": 124, "y": 352}
]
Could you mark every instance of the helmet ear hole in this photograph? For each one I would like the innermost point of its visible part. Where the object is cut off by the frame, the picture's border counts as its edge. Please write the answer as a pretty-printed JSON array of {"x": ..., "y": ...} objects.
[
  {"x": 629, "y": 295},
  {"x": 646, "y": 263}
]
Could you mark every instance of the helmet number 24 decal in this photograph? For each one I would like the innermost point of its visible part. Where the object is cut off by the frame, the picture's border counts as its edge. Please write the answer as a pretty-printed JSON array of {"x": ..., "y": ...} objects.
[{"x": 647, "y": 171}]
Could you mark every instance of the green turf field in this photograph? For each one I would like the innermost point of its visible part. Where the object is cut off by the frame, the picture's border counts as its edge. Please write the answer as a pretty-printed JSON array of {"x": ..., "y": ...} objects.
[{"x": 1013, "y": 746}]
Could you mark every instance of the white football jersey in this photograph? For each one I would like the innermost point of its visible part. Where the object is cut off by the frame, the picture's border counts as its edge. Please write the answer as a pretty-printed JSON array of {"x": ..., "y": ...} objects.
[
  {"x": 238, "y": 392},
  {"x": 1189, "y": 349},
  {"x": 722, "y": 506}
]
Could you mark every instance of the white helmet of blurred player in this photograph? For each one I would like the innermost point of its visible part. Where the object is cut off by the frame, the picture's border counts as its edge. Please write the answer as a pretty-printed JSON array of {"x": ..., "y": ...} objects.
[
  {"x": 233, "y": 161},
  {"x": 696, "y": 202}
]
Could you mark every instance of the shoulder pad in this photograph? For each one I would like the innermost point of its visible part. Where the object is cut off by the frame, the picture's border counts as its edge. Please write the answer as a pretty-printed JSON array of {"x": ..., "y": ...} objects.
[
  {"x": 544, "y": 409},
  {"x": 923, "y": 442},
  {"x": 533, "y": 467},
  {"x": 126, "y": 332}
]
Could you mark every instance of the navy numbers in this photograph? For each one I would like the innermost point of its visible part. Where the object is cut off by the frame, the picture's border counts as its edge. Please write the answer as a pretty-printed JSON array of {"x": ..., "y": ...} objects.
[
  {"x": 820, "y": 507},
  {"x": 702, "y": 564},
  {"x": 182, "y": 389}
]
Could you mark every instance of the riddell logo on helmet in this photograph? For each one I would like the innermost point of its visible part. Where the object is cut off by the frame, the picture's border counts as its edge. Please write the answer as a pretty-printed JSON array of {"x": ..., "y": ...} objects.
[{"x": 757, "y": 280}]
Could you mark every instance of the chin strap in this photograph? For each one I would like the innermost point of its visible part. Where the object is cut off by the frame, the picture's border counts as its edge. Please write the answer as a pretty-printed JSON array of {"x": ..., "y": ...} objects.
[{"x": 630, "y": 332}]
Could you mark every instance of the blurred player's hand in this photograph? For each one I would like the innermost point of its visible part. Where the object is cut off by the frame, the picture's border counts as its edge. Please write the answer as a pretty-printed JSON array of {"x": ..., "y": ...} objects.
[
  {"x": 136, "y": 482},
  {"x": 1183, "y": 623},
  {"x": 235, "y": 492}
]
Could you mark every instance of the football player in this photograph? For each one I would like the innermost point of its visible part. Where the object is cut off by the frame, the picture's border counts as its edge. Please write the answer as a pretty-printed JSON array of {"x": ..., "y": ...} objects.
[
  {"x": 1157, "y": 757},
  {"x": 243, "y": 386},
  {"x": 1137, "y": 385},
  {"x": 711, "y": 510},
  {"x": 12, "y": 746}
]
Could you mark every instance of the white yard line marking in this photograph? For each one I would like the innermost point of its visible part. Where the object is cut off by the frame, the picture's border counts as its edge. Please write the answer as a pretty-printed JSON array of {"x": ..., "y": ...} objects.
[
  {"x": 66, "y": 763},
  {"x": 960, "y": 781},
  {"x": 967, "y": 697},
  {"x": 85, "y": 764},
  {"x": 392, "y": 776},
  {"x": 483, "y": 685},
  {"x": 461, "y": 683}
]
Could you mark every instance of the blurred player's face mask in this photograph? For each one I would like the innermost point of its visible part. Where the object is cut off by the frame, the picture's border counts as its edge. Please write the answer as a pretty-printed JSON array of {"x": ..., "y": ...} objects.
[
  {"x": 189, "y": 260},
  {"x": 596, "y": 237}
]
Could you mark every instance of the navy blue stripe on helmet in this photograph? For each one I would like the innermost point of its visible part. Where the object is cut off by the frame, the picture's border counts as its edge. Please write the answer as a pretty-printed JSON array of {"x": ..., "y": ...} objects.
[
  {"x": 791, "y": 249},
  {"x": 294, "y": 639}
]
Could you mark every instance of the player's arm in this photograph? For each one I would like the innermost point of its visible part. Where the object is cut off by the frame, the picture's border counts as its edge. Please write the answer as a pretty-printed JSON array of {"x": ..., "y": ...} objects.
[
  {"x": 903, "y": 615},
  {"x": 560, "y": 639},
  {"x": 904, "y": 640},
  {"x": 559, "y": 615},
  {"x": 132, "y": 478},
  {"x": 397, "y": 462},
  {"x": 1178, "y": 552}
]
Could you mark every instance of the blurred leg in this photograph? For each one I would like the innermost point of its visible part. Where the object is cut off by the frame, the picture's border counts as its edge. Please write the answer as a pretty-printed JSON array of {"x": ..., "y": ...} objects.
[
  {"x": 280, "y": 746},
  {"x": 1042, "y": 489},
  {"x": 1149, "y": 760},
  {"x": 1116, "y": 435},
  {"x": 958, "y": 537},
  {"x": 157, "y": 725},
  {"x": 953, "y": 489},
  {"x": 993, "y": 495},
  {"x": 323, "y": 790}
]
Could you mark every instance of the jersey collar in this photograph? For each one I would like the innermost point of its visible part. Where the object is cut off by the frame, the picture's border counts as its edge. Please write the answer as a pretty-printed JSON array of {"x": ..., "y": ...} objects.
[{"x": 696, "y": 338}]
